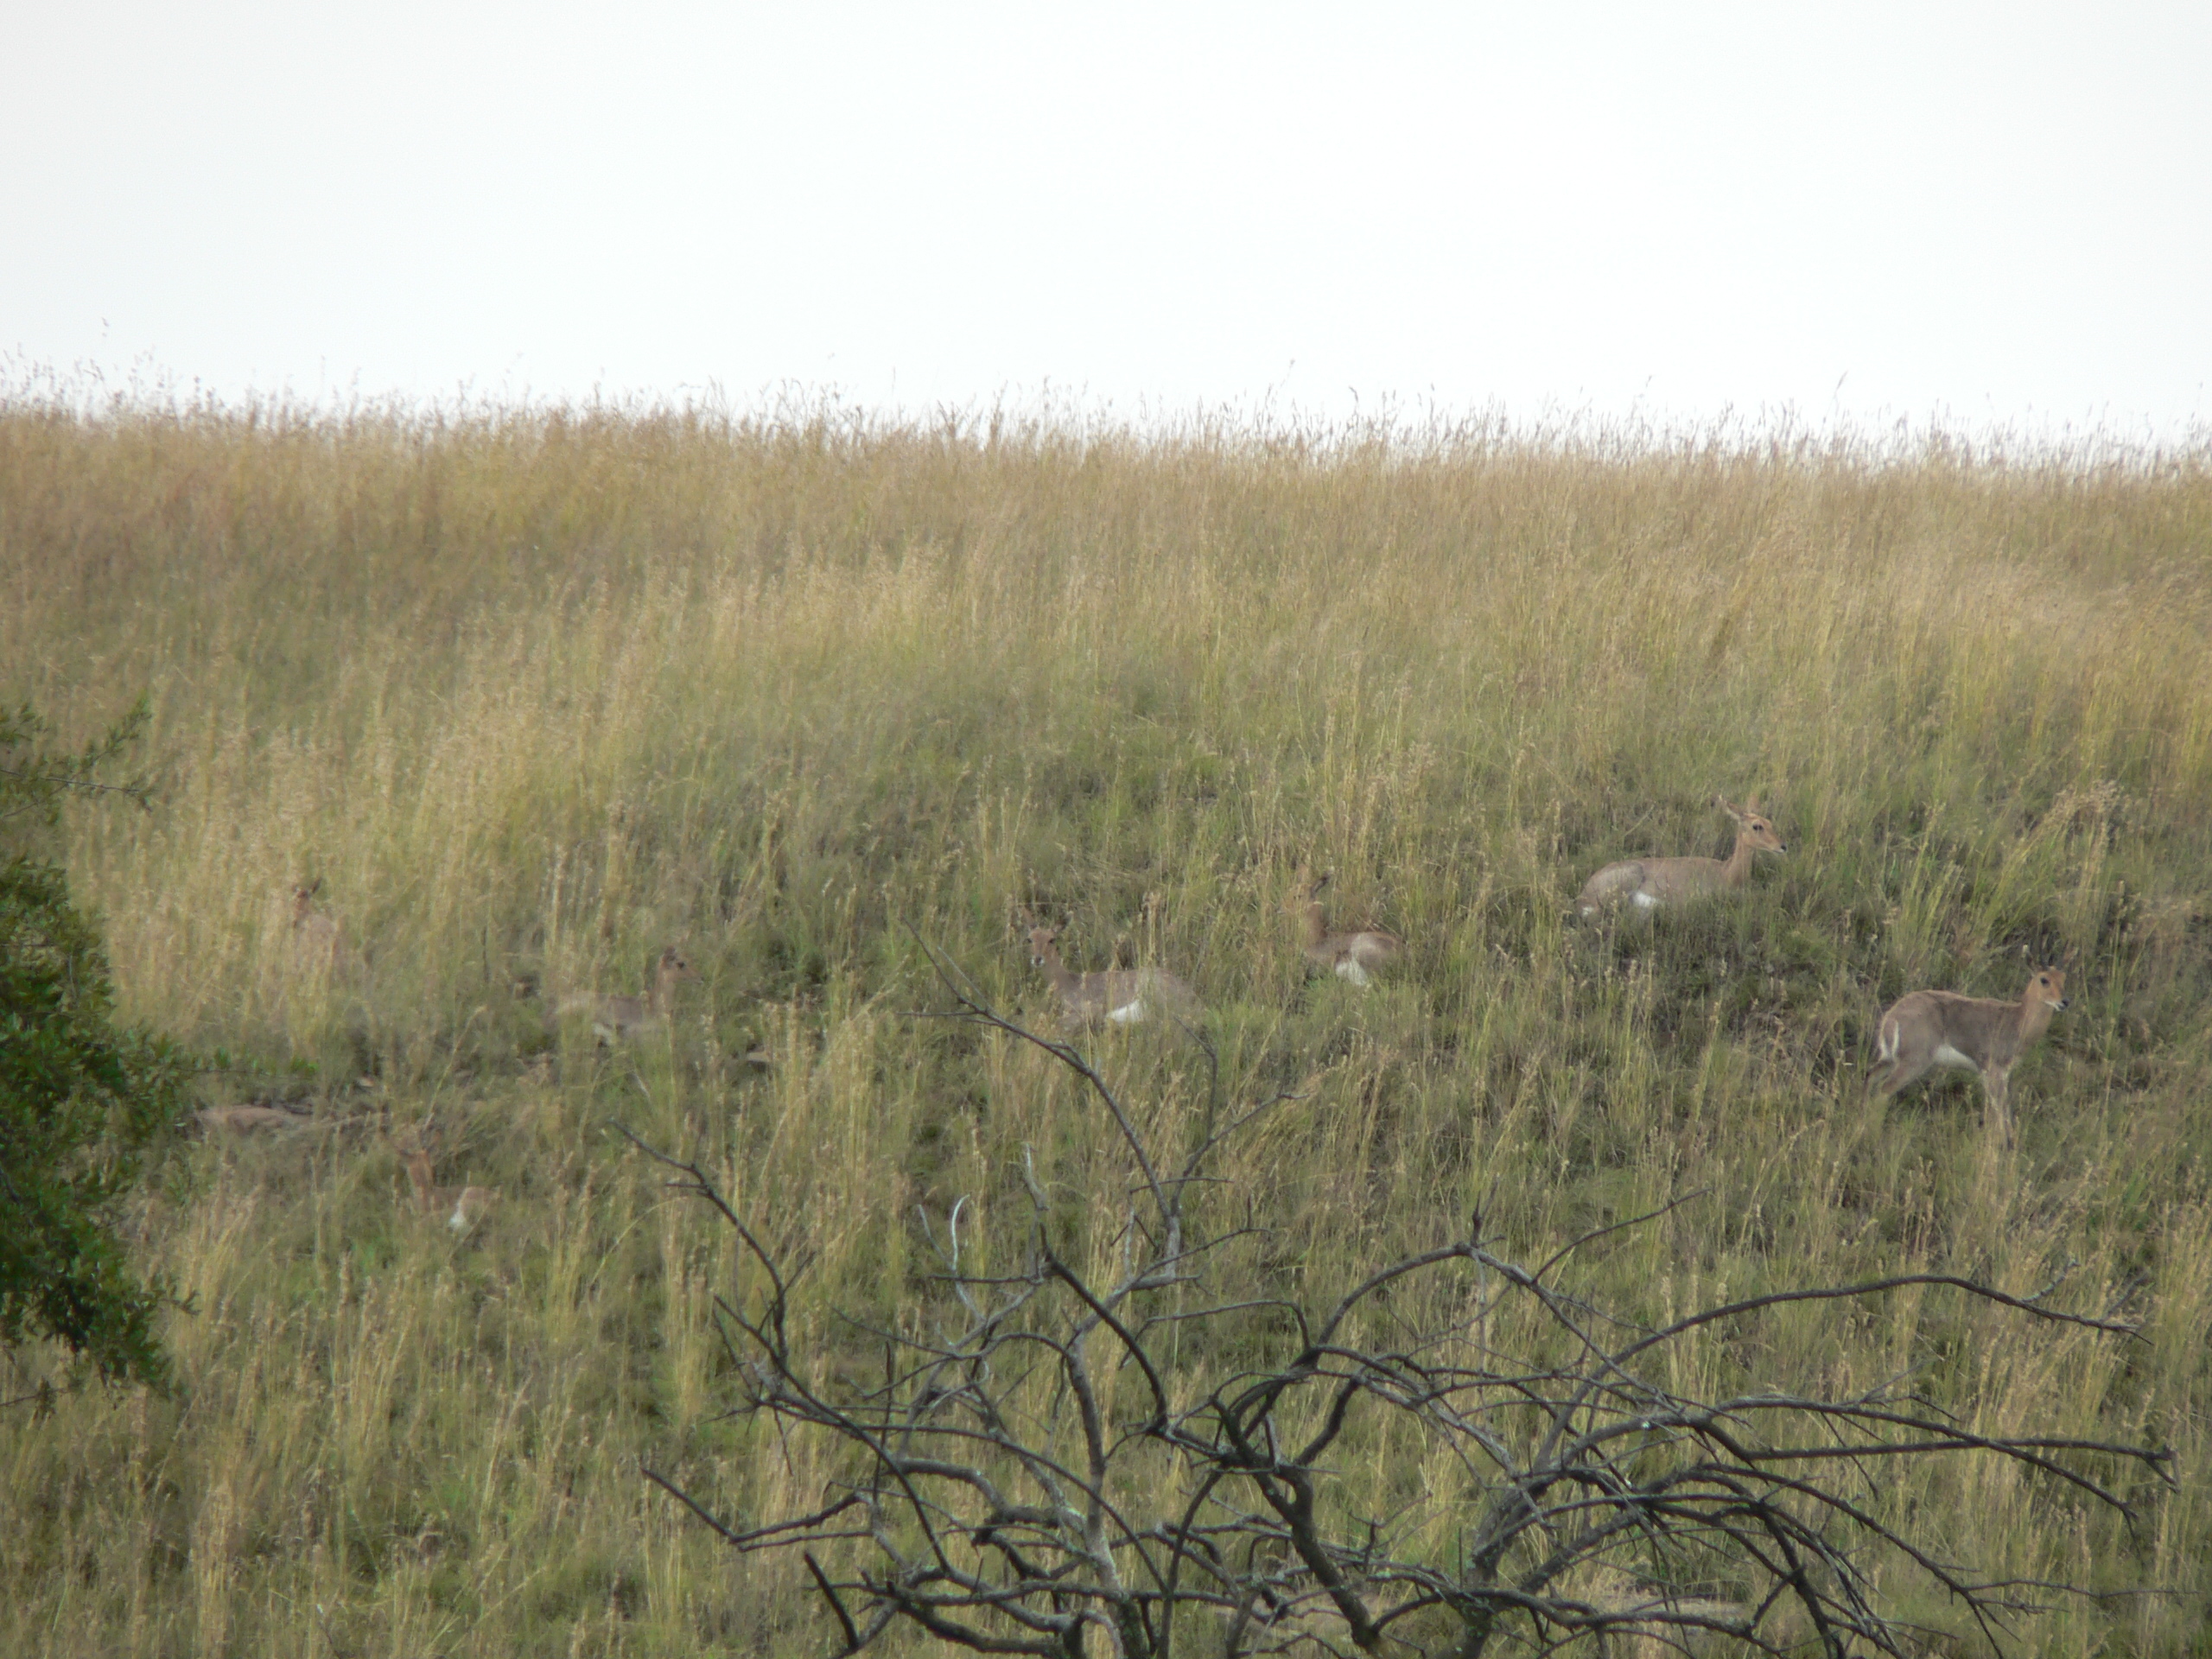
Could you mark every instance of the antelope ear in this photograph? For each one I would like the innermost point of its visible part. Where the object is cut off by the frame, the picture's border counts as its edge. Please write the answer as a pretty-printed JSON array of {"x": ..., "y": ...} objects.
[{"x": 1721, "y": 801}]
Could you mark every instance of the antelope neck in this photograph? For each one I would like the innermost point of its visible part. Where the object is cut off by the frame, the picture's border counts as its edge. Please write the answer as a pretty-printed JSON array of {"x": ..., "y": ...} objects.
[{"x": 1738, "y": 864}]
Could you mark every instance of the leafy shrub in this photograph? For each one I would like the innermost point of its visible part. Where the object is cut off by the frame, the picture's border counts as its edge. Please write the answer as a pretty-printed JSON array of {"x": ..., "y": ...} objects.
[{"x": 80, "y": 1098}]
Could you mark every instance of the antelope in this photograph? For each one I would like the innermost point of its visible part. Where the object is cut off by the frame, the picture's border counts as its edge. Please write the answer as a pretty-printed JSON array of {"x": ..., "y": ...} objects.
[
  {"x": 1649, "y": 883},
  {"x": 1120, "y": 996},
  {"x": 318, "y": 941},
  {"x": 463, "y": 1207},
  {"x": 244, "y": 1120},
  {"x": 1352, "y": 956},
  {"x": 1925, "y": 1029},
  {"x": 616, "y": 1017}
]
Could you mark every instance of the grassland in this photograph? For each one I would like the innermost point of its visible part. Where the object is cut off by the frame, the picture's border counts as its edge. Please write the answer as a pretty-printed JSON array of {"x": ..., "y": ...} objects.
[{"x": 537, "y": 694}]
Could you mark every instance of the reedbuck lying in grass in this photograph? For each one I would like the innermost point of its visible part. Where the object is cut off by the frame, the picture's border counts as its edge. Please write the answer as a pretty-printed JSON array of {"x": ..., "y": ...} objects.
[
  {"x": 1927, "y": 1029},
  {"x": 1120, "y": 996},
  {"x": 461, "y": 1207},
  {"x": 1353, "y": 955},
  {"x": 617, "y": 1017},
  {"x": 245, "y": 1120},
  {"x": 1648, "y": 883}
]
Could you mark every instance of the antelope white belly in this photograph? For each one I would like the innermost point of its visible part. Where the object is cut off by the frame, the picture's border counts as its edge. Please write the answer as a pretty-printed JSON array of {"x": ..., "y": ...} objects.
[
  {"x": 1349, "y": 969},
  {"x": 1645, "y": 901},
  {"x": 1946, "y": 1055},
  {"x": 1128, "y": 1014}
]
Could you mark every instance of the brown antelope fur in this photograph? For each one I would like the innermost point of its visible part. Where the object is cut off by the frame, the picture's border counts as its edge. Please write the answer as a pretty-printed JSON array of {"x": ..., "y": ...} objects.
[
  {"x": 1121, "y": 996},
  {"x": 461, "y": 1207},
  {"x": 1926, "y": 1029},
  {"x": 617, "y": 1017},
  {"x": 244, "y": 1120},
  {"x": 318, "y": 944},
  {"x": 1648, "y": 883},
  {"x": 1354, "y": 955}
]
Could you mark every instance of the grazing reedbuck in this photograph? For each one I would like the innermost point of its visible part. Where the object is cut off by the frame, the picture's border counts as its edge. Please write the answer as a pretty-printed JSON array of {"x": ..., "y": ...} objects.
[
  {"x": 1648, "y": 883},
  {"x": 1354, "y": 955},
  {"x": 617, "y": 1017},
  {"x": 1926, "y": 1029},
  {"x": 1121, "y": 996},
  {"x": 462, "y": 1206}
]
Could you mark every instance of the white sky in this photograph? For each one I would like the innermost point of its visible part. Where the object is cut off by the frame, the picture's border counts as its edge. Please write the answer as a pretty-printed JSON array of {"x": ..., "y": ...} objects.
[{"x": 1995, "y": 215}]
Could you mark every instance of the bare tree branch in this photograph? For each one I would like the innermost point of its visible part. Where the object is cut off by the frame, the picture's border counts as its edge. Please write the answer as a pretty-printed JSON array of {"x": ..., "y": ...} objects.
[{"x": 987, "y": 1495}]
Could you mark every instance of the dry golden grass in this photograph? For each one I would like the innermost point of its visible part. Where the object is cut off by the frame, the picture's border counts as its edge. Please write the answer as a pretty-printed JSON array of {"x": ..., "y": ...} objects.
[{"x": 536, "y": 694}]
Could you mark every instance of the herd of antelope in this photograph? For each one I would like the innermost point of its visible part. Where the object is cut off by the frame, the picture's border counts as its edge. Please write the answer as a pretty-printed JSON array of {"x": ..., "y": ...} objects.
[{"x": 1917, "y": 1033}]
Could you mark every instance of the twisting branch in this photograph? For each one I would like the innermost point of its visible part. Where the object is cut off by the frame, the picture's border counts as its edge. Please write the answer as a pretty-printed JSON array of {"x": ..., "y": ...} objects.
[
  {"x": 997, "y": 1492},
  {"x": 973, "y": 1007},
  {"x": 37, "y": 777}
]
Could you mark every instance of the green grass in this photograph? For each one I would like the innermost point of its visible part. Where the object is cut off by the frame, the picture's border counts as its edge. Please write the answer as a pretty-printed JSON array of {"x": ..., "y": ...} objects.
[{"x": 536, "y": 694}]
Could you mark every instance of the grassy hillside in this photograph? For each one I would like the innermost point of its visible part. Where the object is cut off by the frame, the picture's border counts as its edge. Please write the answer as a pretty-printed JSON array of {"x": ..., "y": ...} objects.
[{"x": 537, "y": 695}]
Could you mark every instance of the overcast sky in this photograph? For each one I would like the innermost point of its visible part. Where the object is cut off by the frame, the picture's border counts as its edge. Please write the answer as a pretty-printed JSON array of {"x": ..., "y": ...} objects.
[{"x": 1993, "y": 214}]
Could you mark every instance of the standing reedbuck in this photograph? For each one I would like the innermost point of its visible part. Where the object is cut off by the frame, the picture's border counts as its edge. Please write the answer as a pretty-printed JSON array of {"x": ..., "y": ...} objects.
[
  {"x": 614, "y": 1017},
  {"x": 1355, "y": 955},
  {"x": 1925, "y": 1029},
  {"x": 1649, "y": 883},
  {"x": 1121, "y": 996}
]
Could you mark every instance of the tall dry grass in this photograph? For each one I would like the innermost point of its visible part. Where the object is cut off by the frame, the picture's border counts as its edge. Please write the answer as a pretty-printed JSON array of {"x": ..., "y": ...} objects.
[{"x": 537, "y": 694}]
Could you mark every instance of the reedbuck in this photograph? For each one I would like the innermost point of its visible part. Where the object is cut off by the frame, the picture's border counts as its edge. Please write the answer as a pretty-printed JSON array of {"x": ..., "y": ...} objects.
[
  {"x": 462, "y": 1206},
  {"x": 318, "y": 944},
  {"x": 616, "y": 1017},
  {"x": 1353, "y": 955},
  {"x": 1927, "y": 1029},
  {"x": 1649, "y": 883},
  {"x": 244, "y": 1120},
  {"x": 1120, "y": 996}
]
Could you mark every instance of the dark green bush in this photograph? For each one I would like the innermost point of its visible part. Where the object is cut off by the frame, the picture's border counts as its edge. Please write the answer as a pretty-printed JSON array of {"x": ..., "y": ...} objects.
[{"x": 80, "y": 1097}]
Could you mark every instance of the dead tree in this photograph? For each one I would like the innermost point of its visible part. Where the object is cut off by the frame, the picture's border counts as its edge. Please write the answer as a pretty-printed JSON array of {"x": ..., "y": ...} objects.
[{"x": 1064, "y": 1451}]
